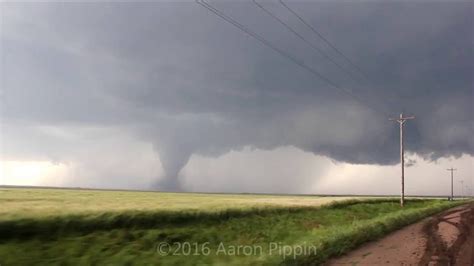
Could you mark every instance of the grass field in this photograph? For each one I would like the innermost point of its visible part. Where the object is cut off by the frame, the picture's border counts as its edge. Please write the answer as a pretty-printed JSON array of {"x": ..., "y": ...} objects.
[
  {"x": 35, "y": 203},
  {"x": 70, "y": 227}
]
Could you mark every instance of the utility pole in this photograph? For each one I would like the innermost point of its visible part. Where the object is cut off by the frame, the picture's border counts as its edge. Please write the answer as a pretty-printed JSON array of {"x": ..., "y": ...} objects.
[
  {"x": 462, "y": 188},
  {"x": 401, "y": 120},
  {"x": 452, "y": 174}
]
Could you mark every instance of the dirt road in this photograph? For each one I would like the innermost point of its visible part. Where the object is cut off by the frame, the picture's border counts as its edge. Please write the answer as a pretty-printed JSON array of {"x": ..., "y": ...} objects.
[{"x": 444, "y": 239}]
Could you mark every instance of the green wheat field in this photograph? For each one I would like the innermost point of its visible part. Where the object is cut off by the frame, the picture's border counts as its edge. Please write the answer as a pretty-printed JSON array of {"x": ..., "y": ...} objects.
[{"x": 95, "y": 227}]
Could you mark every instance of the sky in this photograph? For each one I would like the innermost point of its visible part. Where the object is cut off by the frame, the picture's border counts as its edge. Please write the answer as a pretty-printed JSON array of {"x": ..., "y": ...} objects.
[{"x": 168, "y": 96}]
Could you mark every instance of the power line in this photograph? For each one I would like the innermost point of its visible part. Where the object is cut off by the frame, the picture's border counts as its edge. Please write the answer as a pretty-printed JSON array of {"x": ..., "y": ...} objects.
[
  {"x": 319, "y": 50},
  {"x": 401, "y": 120},
  {"x": 323, "y": 38},
  {"x": 314, "y": 47},
  {"x": 452, "y": 177},
  {"x": 282, "y": 52}
]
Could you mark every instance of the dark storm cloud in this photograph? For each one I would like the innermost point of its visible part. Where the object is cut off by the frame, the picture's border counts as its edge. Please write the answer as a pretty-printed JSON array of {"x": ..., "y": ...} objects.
[{"x": 177, "y": 76}]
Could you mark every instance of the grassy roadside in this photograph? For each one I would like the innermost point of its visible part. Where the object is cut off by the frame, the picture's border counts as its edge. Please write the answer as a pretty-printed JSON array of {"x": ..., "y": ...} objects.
[
  {"x": 341, "y": 239},
  {"x": 132, "y": 238}
]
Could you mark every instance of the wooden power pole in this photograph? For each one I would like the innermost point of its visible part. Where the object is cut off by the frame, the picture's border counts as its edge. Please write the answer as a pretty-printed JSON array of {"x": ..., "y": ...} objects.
[
  {"x": 401, "y": 120},
  {"x": 452, "y": 175}
]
